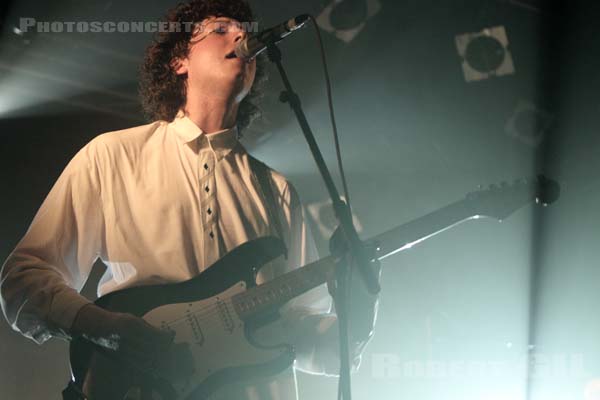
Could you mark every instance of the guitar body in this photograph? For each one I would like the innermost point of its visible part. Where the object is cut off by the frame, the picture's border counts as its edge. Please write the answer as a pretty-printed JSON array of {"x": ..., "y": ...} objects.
[{"x": 201, "y": 313}]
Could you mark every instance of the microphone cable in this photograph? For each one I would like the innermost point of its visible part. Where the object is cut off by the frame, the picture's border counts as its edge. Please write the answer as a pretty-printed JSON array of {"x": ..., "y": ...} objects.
[{"x": 331, "y": 112}]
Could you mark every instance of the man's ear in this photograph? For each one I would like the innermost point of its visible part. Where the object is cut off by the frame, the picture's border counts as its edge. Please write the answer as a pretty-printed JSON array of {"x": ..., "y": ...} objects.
[{"x": 180, "y": 66}]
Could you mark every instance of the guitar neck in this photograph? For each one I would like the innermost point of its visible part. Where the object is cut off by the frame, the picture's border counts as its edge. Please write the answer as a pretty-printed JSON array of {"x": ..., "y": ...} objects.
[
  {"x": 283, "y": 288},
  {"x": 288, "y": 286},
  {"x": 411, "y": 233}
]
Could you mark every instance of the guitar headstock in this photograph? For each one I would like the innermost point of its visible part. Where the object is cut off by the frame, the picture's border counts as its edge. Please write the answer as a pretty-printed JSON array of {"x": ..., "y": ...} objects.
[{"x": 499, "y": 201}]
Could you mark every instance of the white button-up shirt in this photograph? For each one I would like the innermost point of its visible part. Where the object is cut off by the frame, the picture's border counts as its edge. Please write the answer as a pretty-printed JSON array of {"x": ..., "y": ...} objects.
[{"x": 157, "y": 203}]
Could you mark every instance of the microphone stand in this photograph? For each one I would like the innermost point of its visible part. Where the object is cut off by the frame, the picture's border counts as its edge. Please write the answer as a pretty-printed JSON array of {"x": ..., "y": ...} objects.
[{"x": 349, "y": 235}]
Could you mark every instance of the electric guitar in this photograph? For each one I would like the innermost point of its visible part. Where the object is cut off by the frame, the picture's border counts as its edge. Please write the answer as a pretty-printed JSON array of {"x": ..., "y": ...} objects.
[{"x": 217, "y": 313}]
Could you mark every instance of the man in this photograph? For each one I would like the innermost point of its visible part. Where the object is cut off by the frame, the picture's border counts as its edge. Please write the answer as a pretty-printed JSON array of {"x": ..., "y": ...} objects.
[{"x": 162, "y": 202}]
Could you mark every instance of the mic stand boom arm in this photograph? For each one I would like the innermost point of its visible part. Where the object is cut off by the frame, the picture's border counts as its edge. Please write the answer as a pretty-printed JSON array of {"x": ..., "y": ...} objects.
[{"x": 352, "y": 242}]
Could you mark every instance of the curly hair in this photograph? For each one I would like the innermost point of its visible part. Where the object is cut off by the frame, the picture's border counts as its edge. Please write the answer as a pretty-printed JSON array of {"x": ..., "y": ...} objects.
[{"x": 162, "y": 91}]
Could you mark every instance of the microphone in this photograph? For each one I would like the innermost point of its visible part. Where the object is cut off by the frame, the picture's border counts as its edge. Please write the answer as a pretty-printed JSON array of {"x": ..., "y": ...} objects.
[{"x": 255, "y": 44}]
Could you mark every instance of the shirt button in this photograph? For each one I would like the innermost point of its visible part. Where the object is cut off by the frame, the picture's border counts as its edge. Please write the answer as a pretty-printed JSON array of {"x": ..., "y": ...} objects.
[
  {"x": 206, "y": 189},
  {"x": 211, "y": 234},
  {"x": 209, "y": 211},
  {"x": 206, "y": 166}
]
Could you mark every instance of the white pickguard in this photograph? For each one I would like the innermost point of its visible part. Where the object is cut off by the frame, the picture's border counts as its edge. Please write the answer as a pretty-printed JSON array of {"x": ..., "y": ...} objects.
[{"x": 215, "y": 335}]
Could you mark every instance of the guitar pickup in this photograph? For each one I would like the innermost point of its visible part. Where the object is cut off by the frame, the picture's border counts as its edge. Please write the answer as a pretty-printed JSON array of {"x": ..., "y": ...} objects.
[
  {"x": 225, "y": 316},
  {"x": 196, "y": 329}
]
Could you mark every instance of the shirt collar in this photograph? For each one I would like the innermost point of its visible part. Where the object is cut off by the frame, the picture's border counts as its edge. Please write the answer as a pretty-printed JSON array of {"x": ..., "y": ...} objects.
[{"x": 220, "y": 142}]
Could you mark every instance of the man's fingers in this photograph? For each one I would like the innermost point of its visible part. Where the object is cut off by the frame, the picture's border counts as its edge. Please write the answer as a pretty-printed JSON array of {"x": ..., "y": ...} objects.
[
  {"x": 173, "y": 364},
  {"x": 141, "y": 344},
  {"x": 156, "y": 335},
  {"x": 178, "y": 363},
  {"x": 148, "y": 346},
  {"x": 135, "y": 329},
  {"x": 138, "y": 358}
]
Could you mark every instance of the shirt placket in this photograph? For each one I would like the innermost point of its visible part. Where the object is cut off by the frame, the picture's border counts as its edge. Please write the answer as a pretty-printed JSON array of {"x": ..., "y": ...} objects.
[{"x": 208, "y": 205}]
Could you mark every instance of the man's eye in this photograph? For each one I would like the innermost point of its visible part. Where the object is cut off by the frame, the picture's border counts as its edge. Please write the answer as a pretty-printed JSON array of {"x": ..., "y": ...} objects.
[{"x": 221, "y": 30}]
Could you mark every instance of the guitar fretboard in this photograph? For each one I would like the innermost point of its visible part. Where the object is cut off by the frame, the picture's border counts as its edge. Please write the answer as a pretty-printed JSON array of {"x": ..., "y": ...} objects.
[
  {"x": 284, "y": 288},
  {"x": 495, "y": 203}
]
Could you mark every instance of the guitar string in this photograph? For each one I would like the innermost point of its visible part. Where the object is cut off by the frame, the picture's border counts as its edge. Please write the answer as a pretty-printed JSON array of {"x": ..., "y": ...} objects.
[
  {"x": 212, "y": 310},
  {"x": 174, "y": 323},
  {"x": 202, "y": 314},
  {"x": 205, "y": 312}
]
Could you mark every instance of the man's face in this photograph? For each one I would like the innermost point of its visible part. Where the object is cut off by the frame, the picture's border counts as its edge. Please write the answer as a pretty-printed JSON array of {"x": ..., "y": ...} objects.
[{"x": 209, "y": 65}]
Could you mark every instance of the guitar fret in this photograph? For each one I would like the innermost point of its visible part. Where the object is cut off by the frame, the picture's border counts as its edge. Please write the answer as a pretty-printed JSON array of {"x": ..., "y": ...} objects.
[{"x": 283, "y": 288}]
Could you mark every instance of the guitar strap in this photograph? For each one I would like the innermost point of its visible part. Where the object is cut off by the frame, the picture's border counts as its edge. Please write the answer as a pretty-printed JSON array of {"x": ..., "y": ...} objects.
[{"x": 261, "y": 174}]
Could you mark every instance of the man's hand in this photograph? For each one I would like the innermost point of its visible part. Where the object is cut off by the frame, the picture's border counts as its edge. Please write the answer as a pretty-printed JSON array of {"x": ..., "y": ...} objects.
[
  {"x": 130, "y": 337},
  {"x": 134, "y": 343},
  {"x": 363, "y": 305}
]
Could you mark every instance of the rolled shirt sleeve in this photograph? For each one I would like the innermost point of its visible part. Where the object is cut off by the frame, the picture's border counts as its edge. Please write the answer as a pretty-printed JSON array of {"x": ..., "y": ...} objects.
[{"x": 40, "y": 280}]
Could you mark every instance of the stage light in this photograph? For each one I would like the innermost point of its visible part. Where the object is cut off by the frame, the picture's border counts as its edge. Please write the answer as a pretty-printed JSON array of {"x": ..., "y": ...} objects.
[
  {"x": 528, "y": 123},
  {"x": 346, "y": 18},
  {"x": 19, "y": 37},
  {"x": 485, "y": 54}
]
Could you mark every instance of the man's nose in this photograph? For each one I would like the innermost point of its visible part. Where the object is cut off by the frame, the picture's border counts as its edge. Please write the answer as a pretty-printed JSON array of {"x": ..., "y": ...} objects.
[{"x": 240, "y": 35}]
